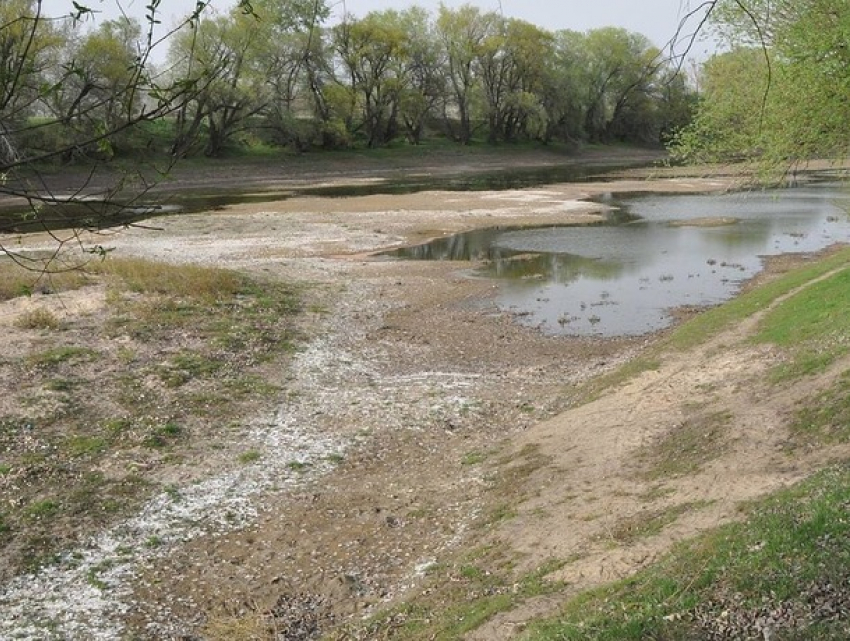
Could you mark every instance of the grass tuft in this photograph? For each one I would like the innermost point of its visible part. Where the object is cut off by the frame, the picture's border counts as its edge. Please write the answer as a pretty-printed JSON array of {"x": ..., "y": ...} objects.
[{"x": 38, "y": 318}]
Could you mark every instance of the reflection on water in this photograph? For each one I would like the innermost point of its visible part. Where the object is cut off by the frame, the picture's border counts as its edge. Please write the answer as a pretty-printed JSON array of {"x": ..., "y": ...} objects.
[{"x": 657, "y": 252}]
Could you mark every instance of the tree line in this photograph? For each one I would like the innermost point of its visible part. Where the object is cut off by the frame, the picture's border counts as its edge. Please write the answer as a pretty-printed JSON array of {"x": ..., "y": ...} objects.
[{"x": 275, "y": 72}]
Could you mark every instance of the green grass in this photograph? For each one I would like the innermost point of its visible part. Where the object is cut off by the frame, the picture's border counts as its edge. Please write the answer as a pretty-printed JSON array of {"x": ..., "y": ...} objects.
[
  {"x": 708, "y": 324},
  {"x": 825, "y": 418},
  {"x": 58, "y": 355},
  {"x": 470, "y": 595},
  {"x": 812, "y": 326},
  {"x": 793, "y": 545},
  {"x": 251, "y": 456},
  {"x": 163, "y": 435},
  {"x": 41, "y": 509},
  {"x": 83, "y": 445}
]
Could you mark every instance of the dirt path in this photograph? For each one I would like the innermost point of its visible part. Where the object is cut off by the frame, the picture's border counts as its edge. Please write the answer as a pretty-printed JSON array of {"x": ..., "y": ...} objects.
[{"x": 376, "y": 462}]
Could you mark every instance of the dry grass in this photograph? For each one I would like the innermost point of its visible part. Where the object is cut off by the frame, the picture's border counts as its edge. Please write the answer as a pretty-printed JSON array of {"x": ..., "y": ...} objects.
[
  {"x": 37, "y": 318},
  {"x": 16, "y": 280},
  {"x": 699, "y": 439},
  {"x": 187, "y": 281}
]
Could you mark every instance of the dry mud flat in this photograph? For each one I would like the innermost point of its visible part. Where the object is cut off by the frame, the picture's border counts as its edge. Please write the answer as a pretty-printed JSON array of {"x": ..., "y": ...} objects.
[{"x": 411, "y": 397}]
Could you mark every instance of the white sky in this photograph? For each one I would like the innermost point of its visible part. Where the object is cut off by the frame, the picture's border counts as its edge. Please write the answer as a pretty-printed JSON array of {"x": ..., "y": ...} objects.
[{"x": 656, "y": 19}]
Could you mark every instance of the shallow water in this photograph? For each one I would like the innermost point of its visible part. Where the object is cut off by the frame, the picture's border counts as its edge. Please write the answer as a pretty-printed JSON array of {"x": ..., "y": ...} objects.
[{"x": 623, "y": 277}]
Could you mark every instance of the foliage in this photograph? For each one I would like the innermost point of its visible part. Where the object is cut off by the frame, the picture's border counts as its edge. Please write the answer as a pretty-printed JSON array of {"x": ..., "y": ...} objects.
[{"x": 780, "y": 94}]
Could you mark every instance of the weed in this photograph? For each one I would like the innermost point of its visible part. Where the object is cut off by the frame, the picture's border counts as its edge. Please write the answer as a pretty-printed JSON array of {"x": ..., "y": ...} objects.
[
  {"x": 117, "y": 426},
  {"x": 251, "y": 456},
  {"x": 298, "y": 466},
  {"x": 64, "y": 354},
  {"x": 61, "y": 385},
  {"x": 163, "y": 435},
  {"x": 85, "y": 445},
  {"x": 687, "y": 447},
  {"x": 473, "y": 458},
  {"x": 41, "y": 509},
  {"x": 37, "y": 318}
]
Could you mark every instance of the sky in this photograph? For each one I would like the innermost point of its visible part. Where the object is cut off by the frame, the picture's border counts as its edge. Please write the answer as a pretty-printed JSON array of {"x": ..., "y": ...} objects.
[{"x": 656, "y": 19}]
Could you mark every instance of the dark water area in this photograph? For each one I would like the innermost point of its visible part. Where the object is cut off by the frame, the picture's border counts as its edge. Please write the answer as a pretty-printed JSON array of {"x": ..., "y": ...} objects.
[
  {"x": 95, "y": 215},
  {"x": 654, "y": 253}
]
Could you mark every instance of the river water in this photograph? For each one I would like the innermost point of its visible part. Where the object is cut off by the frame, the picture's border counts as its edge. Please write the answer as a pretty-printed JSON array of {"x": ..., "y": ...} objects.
[{"x": 654, "y": 253}]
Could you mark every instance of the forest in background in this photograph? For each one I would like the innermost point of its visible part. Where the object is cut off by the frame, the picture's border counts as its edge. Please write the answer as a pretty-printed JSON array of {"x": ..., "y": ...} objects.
[{"x": 272, "y": 73}]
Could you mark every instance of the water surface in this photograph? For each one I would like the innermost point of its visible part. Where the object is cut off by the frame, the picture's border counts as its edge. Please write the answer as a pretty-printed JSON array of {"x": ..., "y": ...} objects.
[{"x": 654, "y": 253}]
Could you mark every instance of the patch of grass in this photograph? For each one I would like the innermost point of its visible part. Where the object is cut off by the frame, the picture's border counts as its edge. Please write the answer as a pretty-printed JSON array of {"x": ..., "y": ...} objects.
[
  {"x": 183, "y": 281},
  {"x": 41, "y": 509},
  {"x": 153, "y": 541},
  {"x": 16, "y": 280},
  {"x": 460, "y": 599},
  {"x": 687, "y": 447},
  {"x": 647, "y": 523},
  {"x": 163, "y": 435},
  {"x": 186, "y": 366},
  {"x": 789, "y": 560},
  {"x": 80, "y": 445},
  {"x": 117, "y": 426},
  {"x": 825, "y": 418},
  {"x": 594, "y": 389},
  {"x": 64, "y": 354},
  {"x": 251, "y": 456},
  {"x": 61, "y": 385},
  {"x": 473, "y": 458},
  {"x": 812, "y": 326},
  {"x": 298, "y": 466},
  {"x": 37, "y": 318},
  {"x": 498, "y": 514}
]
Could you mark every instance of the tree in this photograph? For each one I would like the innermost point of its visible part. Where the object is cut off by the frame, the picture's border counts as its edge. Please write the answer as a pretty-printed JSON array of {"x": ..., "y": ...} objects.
[
  {"x": 792, "y": 104},
  {"x": 215, "y": 57},
  {"x": 425, "y": 86},
  {"x": 462, "y": 32},
  {"x": 370, "y": 51},
  {"x": 512, "y": 76}
]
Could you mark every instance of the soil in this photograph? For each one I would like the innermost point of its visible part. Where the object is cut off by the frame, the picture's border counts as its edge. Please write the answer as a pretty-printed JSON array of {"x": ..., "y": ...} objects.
[{"x": 410, "y": 403}]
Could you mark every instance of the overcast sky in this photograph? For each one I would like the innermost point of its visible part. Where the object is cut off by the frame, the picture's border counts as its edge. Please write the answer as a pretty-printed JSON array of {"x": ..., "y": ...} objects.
[{"x": 656, "y": 19}]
